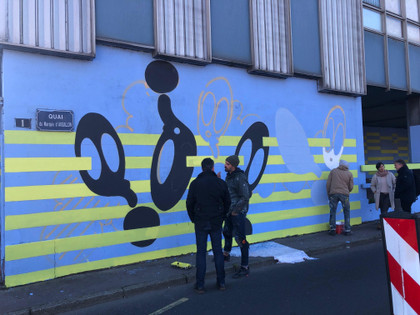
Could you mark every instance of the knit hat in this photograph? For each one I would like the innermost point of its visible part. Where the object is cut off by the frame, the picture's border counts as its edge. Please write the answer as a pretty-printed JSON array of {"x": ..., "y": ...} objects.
[
  {"x": 344, "y": 163},
  {"x": 233, "y": 160}
]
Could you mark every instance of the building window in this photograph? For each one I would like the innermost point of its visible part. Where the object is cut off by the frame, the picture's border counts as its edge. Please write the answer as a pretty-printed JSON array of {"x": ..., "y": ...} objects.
[
  {"x": 375, "y": 3},
  {"x": 412, "y": 10},
  {"x": 413, "y": 33},
  {"x": 59, "y": 27},
  {"x": 182, "y": 29},
  {"x": 401, "y": 24},
  {"x": 372, "y": 19},
  {"x": 393, "y": 26},
  {"x": 393, "y": 6}
]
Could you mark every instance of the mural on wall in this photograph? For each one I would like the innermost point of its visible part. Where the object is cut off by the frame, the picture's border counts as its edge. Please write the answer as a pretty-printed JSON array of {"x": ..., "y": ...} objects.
[{"x": 113, "y": 192}]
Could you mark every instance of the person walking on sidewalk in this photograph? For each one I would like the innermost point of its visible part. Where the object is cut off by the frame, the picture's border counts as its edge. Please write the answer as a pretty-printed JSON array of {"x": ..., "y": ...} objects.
[
  {"x": 339, "y": 186},
  {"x": 405, "y": 188},
  {"x": 383, "y": 187},
  {"x": 208, "y": 203},
  {"x": 235, "y": 222}
]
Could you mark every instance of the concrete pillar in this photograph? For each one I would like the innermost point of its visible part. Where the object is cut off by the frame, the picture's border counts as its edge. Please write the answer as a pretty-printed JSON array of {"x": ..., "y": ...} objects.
[{"x": 413, "y": 126}]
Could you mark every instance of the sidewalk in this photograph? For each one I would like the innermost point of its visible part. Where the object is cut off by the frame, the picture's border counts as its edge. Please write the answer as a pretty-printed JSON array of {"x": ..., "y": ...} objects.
[{"x": 62, "y": 294}]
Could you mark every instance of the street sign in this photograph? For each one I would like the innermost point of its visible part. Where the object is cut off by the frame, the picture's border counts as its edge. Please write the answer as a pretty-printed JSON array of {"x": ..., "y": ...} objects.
[{"x": 54, "y": 120}]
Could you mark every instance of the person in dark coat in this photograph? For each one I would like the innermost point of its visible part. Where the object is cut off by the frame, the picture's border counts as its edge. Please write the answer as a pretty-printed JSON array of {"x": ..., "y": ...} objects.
[
  {"x": 237, "y": 183},
  {"x": 208, "y": 203},
  {"x": 405, "y": 188}
]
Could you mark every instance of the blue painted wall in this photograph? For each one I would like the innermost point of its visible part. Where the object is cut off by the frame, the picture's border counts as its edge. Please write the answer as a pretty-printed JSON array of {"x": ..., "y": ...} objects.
[{"x": 56, "y": 223}]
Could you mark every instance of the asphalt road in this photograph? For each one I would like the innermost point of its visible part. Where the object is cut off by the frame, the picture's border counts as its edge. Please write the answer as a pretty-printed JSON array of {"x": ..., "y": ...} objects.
[{"x": 346, "y": 281}]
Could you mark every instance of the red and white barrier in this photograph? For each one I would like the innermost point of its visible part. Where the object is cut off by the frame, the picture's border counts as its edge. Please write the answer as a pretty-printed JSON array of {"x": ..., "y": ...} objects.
[{"x": 402, "y": 249}]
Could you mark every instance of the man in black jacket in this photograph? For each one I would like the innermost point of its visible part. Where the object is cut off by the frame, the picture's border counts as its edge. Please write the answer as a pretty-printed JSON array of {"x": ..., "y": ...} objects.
[
  {"x": 235, "y": 222},
  {"x": 208, "y": 202},
  {"x": 405, "y": 188}
]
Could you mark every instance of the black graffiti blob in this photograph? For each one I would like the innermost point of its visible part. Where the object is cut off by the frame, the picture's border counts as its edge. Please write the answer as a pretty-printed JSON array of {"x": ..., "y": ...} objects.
[
  {"x": 162, "y": 77},
  {"x": 93, "y": 126},
  {"x": 256, "y": 132},
  {"x": 141, "y": 217}
]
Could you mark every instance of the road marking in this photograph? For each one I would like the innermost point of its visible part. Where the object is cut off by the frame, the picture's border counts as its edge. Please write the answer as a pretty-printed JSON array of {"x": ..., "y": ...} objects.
[{"x": 168, "y": 307}]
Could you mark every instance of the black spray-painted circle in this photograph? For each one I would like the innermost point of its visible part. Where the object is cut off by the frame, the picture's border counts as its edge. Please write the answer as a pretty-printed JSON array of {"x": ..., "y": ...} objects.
[
  {"x": 161, "y": 76},
  {"x": 141, "y": 217}
]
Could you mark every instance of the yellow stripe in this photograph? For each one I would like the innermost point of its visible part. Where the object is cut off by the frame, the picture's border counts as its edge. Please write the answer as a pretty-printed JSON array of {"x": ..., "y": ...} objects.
[
  {"x": 295, "y": 213},
  {"x": 389, "y": 151},
  {"x": 291, "y": 177},
  {"x": 34, "y": 249},
  {"x": 373, "y": 141},
  {"x": 380, "y": 158},
  {"x": 195, "y": 161},
  {"x": 14, "y": 222},
  {"x": 138, "y": 162},
  {"x": 402, "y": 148},
  {"x": 275, "y": 160},
  {"x": 372, "y": 168},
  {"x": 319, "y": 142},
  {"x": 402, "y": 139},
  {"x": 349, "y": 143},
  {"x": 16, "y": 165},
  {"x": 255, "y": 238},
  {"x": 38, "y": 137},
  {"x": 403, "y": 154},
  {"x": 372, "y": 133},
  {"x": 373, "y": 148},
  {"x": 36, "y": 276},
  {"x": 313, "y": 142},
  {"x": 23, "y": 221},
  {"x": 270, "y": 142},
  {"x": 348, "y": 157},
  {"x": 20, "y": 193}
]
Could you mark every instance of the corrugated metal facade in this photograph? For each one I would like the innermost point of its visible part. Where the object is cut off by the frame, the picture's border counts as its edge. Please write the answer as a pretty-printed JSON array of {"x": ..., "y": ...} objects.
[{"x": 342, "y": 46}]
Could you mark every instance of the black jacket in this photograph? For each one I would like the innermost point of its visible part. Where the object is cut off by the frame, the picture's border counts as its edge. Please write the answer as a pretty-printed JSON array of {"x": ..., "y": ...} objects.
[
  {"x": 208, "y": 200},
  {"x": 405, "y": 188},
  {"x": 239, "y": 191}
]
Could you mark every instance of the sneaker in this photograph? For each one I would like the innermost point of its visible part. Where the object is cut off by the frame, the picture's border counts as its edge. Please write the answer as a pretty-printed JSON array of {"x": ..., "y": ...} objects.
[
  {"x": 221, "y": 286},
  {"x": 332, "y": 232},
  {"x": 347, "y": 233},
  {"x": 226, "y": 257},
  {"x": 199, "y": 289},
  {"x": 243, "y": 272}
]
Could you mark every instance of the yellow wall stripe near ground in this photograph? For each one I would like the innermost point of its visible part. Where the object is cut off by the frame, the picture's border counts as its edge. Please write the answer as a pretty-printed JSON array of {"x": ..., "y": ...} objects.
[
  {"x": 23, "y": 221},
  {"x": 46, "y": 164},
  {"x": 46, "y": 274},
  {"x": 48, "y": 247}
]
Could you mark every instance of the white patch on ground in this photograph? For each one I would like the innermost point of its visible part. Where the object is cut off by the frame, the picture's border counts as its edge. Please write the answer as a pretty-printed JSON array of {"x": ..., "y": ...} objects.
[{"x": 281, "y": 253}]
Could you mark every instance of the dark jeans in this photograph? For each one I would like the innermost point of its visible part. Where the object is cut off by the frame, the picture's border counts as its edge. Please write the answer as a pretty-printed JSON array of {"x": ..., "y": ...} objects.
[
  {"x": 235, "y": 227},
  {"x": 345, "y": 202},
  {"x": 201, "y": 236},
  {"x": 406, "y": 205},
  {"x": 384, "y": 203}
]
